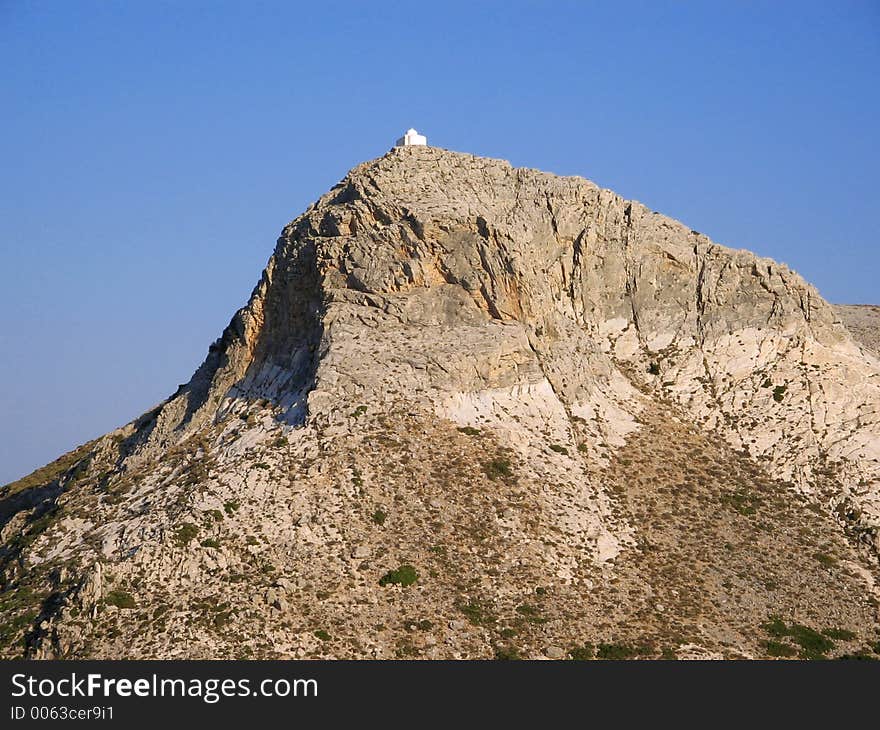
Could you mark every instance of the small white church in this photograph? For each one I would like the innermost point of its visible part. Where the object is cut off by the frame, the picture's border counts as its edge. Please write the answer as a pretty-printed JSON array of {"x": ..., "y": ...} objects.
[{"x": 411, "y": 138}]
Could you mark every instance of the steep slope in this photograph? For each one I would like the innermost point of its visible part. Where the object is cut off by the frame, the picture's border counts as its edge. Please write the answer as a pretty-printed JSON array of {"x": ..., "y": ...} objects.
[
  {"x": 863, "y": 321},
  {"x": 570, "y": 419}
]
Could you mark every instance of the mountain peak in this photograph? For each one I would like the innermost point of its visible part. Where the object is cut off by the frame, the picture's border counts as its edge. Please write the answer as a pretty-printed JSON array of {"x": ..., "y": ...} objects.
[{"x": 504, "y": 381}]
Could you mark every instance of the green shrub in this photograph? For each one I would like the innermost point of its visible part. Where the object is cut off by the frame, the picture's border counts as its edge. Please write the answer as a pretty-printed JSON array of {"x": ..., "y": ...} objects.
[
  {"x": 322, "y": 635},
  {"x": 775, "y": 627},
  {"x": 379, "y": 517},
  {"x": 531, "y": 613},
  {"x": 616, "y": 651},
  {"x": 359, "y": 411},
  {"x": 507, "y": 653},
  {"x": 654, "y": 368},
  {"x": 862, "y": 655},
  {"x": 404, "y": 576},
  {"x": 779, "y": 649},
  {"x": 583, "y": 653},
  {"x": 476, "y": 612},
  {"x": 185, "y": 533},
  {"x": 839, "y": 634},
  {"x": 779, "y": 393},
  {"x": 120, "y": 599},
  {"x": 744, "y": 502},
  {"x": 559, "y": 449},
  {"x": 813, "y": 645},
  {"x": 231, "y": 506},
  {"x": 498, "y": 468},
  {"x": 469, "y": 431},
  {"x": 211, "y": 543}
]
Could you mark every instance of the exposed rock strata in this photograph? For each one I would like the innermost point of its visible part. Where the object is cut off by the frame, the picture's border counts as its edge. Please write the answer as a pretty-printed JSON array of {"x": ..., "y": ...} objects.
[{"x": 480, "y": 371}]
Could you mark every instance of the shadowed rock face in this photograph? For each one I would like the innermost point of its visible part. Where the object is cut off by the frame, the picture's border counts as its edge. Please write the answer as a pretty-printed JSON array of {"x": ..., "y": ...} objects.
[{"x": 486, "y": 373}]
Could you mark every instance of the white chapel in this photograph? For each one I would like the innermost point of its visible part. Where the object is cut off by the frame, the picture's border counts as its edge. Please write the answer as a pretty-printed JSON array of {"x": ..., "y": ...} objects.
[{"x": 411, "y": 138}]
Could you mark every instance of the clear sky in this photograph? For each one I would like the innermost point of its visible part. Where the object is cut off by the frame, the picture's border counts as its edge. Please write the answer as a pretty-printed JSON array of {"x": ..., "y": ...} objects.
[{"x": 151, "y": 152}]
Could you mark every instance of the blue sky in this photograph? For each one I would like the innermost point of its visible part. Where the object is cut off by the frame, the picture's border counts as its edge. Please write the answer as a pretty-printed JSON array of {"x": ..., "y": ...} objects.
[{"x": 152, "y": 151}]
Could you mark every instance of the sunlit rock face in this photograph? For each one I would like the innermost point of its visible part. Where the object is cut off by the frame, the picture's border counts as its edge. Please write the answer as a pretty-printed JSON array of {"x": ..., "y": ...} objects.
[{"x": 579, "y": 421}]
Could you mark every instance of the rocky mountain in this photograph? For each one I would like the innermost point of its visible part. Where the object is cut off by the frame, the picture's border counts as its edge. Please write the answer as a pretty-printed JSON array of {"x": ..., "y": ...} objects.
[
  {"x": 477, "y": 411},
  {"x": 863, "y": 322}
]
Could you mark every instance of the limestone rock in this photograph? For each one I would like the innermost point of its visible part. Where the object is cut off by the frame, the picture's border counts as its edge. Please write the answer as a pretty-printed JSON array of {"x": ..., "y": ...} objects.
[
  {"x": 863, "y": 321},
  {"x": 561, "y": 408}
]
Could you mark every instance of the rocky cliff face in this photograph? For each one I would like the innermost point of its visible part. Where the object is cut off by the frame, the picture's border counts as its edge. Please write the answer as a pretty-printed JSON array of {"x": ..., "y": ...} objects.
[
  {"x": 473, "y": 410},
  {"x": 863, "y": 321}
]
